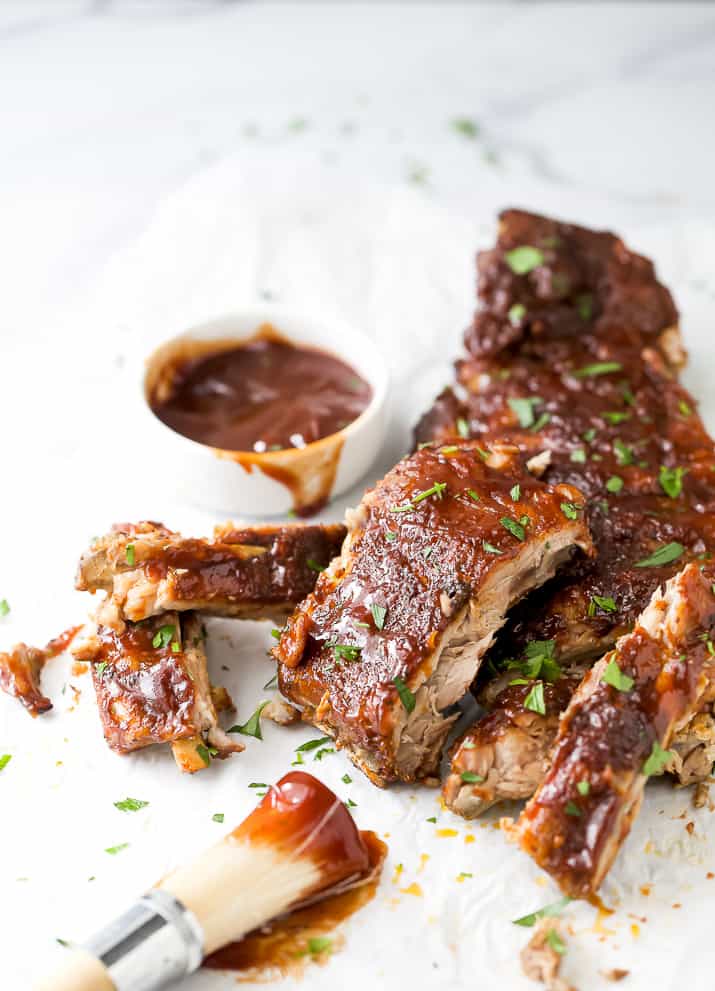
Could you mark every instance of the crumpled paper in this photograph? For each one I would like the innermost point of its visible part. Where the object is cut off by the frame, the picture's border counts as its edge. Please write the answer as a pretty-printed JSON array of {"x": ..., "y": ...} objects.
[{"x": 399, "y": 264}]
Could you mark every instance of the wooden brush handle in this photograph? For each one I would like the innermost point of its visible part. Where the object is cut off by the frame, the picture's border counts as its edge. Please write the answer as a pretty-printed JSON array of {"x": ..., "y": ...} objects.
[{"x": 79, "y": 972}]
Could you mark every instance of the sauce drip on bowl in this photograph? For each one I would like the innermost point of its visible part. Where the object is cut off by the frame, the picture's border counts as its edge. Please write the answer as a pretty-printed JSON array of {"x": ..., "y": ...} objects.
[{"x": 266, "y": 394}]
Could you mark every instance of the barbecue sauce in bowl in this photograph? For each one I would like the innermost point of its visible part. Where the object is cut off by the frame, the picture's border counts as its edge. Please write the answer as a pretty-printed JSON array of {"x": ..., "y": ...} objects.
[{"x": 263, "y": 394}]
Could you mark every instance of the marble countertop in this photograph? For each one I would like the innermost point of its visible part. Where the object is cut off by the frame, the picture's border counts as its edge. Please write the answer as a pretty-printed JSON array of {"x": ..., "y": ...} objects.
[{"x": 161, "y": 160}]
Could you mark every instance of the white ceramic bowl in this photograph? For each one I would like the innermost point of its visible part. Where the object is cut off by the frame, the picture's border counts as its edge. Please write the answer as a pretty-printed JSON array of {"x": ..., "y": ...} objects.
[{"x": 247, "y": 483}]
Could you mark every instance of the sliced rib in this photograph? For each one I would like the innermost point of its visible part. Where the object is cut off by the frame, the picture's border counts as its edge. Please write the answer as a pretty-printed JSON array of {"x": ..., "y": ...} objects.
[
  {"x": 21, "y": 670},
  {"x": 152, "y": 686},
  {"x": 255, "y": 573},
  {"x": 612, "y": 735},
  {"x": 395, "y": 630}
]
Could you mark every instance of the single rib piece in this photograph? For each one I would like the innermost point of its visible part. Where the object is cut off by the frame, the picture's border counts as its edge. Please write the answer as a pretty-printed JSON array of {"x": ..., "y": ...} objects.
[
  {"x": 569, "y": 283},
  {"x": 613, "y": 734},
  {"x": 394, "y": 632},
  {"x": 506, "y": 754},
  {"x": 152, "y": 686},
  {"x": 254, "y": 573},
  {"x": 21, "y": 670}
]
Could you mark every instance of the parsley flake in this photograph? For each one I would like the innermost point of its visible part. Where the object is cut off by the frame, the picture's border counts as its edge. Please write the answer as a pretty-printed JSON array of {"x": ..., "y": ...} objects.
[
  {"x": 490, "y": 548},
  {"x": 555, "y": 942},
  {"x": 462, "y": 427},
  {"x": 378, "y": 615},
  {"x": 616, "y": 678},
  {"x": 614, "y": 484},
  {"x": 570, "y": 510},
  {"x": 524, "y": 259},
  {"x": 114, "y": 850},
  {"x": 534, "y": 701},
  {"x": 217, "y": 817},
  {"x": 597, "y": 368},
  {"x": 314, "y": 565},
  {"x": 312, "y": 744},
  {"x": 524, "y": 409},
  {"x": 130, "y": 805},
  {"x": 583, "y": 787},
  {"x": 465, "y": 126},
  {"x": 664, "y": 555},
  {"x": 555, "y": 908},
  {"x": 252, "y": 726},
  {"x": 4, "y": 761},
  {"x": 656, "y": 760},
  {"x": 572, "y": 809},
  {"x": 515, "y": 529},
  {"x": 470, "y": 778},
  {"x": 4, "y": 607},
  {"x": 603, "y": 602},
  {"x": 624, "y": 453},
  {"x": 163, "y": 636},
  {"x": 345, "y": 651},
  {"x": 515, "y": 492},
  {"x": 406, "y": 697},
  {"x": 346, "y": 779},
  {"x": 671, "y": 480},
  {"x": 130, "y": 555},
  {"x": 516, "y": 314}
]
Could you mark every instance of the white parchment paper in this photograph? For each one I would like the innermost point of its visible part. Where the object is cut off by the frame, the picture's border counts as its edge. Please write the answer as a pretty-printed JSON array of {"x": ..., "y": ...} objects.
[{"x": 398, "y": 262}]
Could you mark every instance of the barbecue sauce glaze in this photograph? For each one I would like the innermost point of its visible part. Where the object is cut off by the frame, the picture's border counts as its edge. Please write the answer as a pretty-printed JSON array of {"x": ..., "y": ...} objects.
[
  {"x": 267, "y": 394},
  {"x": 302, "y": 816}
]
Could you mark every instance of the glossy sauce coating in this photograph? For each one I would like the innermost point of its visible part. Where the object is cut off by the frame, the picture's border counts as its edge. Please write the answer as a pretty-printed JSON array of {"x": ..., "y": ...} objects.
[
  {"x": 592, "y": 387},
  {"x": 300, "y": 816},
  {"x": 421, "y": 562},
  {"x": 145, "y": 693},
  {"x": 282, "y": 948},
  {"x": 607, "y": 735},
  {"x": 266, "y": 394}
]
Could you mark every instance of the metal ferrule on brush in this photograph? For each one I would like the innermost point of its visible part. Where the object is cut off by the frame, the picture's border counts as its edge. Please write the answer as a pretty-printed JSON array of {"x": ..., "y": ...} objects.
[{"x": 155, "y": 942}]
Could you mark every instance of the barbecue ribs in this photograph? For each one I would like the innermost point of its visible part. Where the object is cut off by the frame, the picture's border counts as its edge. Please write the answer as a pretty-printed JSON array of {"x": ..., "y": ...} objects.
[
  {"x": 616, "y": 731},
  {"x": 571, "y": 357},
  {"x": 394, "y": 632},
  {"x": 152, "y": 686},
  {"x": 256, "y": 573}
]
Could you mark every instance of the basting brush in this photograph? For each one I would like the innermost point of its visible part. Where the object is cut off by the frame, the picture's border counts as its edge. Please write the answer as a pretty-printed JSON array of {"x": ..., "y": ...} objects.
[{"x": 299, "y": 844}]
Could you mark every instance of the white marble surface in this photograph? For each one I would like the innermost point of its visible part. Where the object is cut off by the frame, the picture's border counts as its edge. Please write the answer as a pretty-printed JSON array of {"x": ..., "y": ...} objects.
[{"x": 159, "y": 161}]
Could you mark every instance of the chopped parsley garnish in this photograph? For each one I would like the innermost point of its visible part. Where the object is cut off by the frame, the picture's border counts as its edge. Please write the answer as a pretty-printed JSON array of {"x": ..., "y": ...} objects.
[
  {"x": 163, "y": 636},
  {"x": 314, "y": 566},
  {"x": 346, "y": 779},
  {"x": 538, "y": 661},
  {"x": 4, "y": 761},
  {"x": 656, "y": 760},
  {"x": 578, "y": 456},
  {"x": 524, "y": 409},
  {"x": 205, "y": 754},
  {"x": 345, "y": 651},
  {"x": 312, "y": 744},
  {"x": 463, "y": 875},
  {"x": 427, "y": 552},
  {"x": 555, "y": 942},
  {"x": 614, "y": 484},
  {"x": 534, "y": 701},
  {"x": 465, "y": 126},
  {"x": 276, "y": 633},
  {"x": 572, "y": 809},
  {"x": 541, "y": 422},
  {"x": 615, "y": 417},
  {"x": 318, "y": 945},
  {"x": 252, "y": 726},
  {"x": 378, "y": 614},
  {"x": 490, "y": 548},
  {"x": 604, "y": 602},
  {"x": 130, "y": 555},
  {"x": 524, "y": 259},
  {"x": 470, "y": 778},
  {"x": 4, "y": 607},
  {"x": 597, "y": 368},
  {"x": 436, "y": 490},
  {"x": 624, "y": 453},
  {"x": 432, "y": 819},
  {"x": 175, "y": 647},
  {"x": 664, "y": 555},
  {"x": 570, "y": 510},
  {"x": 616, "y": 678},
  {"x": 583, "y": 787},
  {"x": 584, "y": 305},
  {"x": 462, "y": 427},
  {"x": 515, "y": 492},
  {"x": 271, "y": 683},
  {"x": 451, "y": 449},
  {"x": 589, "y": 435},
  {"x": 99, "y": 668},
  {"x": 671, "y": 480},
  {"x": 684, "y": 408},
  {"x": 516, "y": 314},
  {"x": 555, "y": 908},
  {"x": 515, "y": 529},
  {"x": 474, "y": 496},
  {"x": 130, "y": 805},
  {"x": 113, "y": 850},
  {"x": 217, "y": 817},
  {"x": 323, "y": 751},
  {"x": 406, "y": 696},
  {"x": 390, "y": 535},
  {"x": 350, "y": 804}
]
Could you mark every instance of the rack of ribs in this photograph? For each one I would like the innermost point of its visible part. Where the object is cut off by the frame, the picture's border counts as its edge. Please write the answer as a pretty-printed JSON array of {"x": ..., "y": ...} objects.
[
  {"x": 249, "y": 573},
  {"x": 572, "y": 358},
  {"x": 617, "y": 730},
  {"x": 152, "y": 686},
  {"x": 395, "y": 629}
]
